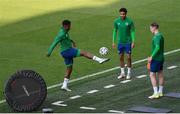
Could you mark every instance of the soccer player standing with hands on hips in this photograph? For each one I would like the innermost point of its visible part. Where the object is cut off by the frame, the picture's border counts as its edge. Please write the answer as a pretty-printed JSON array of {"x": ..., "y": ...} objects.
[
  {"x": 69, "y": 51},
  {"x": 156, "y": 61},
  {"x": 124, "y": 28}
]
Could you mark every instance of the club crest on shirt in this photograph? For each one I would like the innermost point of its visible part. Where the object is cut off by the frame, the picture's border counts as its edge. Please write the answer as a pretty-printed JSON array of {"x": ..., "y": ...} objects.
[{"x": 127, "y": 23}]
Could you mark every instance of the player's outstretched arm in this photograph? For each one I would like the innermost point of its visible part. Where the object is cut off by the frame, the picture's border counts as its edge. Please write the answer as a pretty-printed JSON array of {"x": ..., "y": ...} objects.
[
  {"x": 154, "y": 53},
  {"x": 133, "y": 38},
  {"x": 53, "y": 45},
  {"x": 155, "y": 50},
  {"x": 114, "y": 38},
  {"x": 132, "y": 35}
]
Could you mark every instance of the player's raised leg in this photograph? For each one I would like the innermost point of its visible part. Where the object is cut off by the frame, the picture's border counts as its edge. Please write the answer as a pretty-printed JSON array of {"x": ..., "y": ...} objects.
[{"x": 93, "y": 57}]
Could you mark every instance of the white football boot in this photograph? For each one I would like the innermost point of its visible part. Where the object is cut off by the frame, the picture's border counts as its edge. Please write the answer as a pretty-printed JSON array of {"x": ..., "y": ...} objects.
[
  {"x": 122, "y": 75},
  {"x": 65, "y": 88},
  {"x": 104, "y": 60},
  {"x": 128, "y": 76}
]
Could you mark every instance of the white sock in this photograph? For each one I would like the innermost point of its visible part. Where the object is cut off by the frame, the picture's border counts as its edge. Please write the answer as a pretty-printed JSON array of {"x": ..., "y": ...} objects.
[
  {"x": 160, "y": 89},
  {"x": 122, "y": 71},
  {"x": 155, "y": 90},
  {"x": 129, "y": 70},
  {"x": 65, "y": 82},
  {"x": 95, "y": 58}
]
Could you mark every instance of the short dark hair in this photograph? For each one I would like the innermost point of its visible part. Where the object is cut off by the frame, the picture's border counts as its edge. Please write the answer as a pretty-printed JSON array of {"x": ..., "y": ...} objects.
[
  {"x": 123, "y": 10},
  {"x": 154, "y": 24},
  {"x": 66, "y": 22}
]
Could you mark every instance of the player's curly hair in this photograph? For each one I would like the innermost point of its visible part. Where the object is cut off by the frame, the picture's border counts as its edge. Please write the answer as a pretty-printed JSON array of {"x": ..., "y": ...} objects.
[
  {"x": 66, "y": 22},
  {"x": 123, "y": 10}
]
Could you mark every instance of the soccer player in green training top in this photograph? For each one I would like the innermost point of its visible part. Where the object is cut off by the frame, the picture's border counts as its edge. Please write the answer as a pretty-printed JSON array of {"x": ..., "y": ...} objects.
[
  {"x": 124, "y": 28},
  {"x": 156, "y": 61},
  {"x": 69, "y": 51}
]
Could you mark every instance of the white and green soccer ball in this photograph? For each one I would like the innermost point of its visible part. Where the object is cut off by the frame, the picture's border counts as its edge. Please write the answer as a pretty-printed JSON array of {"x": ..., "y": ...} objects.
[{"x": 103, "y": 51}]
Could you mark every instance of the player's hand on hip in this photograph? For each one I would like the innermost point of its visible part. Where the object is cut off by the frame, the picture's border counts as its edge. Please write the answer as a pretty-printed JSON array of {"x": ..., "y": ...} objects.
[
  {"x": 149, "y": 59},
  {"x": 132, "y": 45},
  {"x": 113, "y": 46}
]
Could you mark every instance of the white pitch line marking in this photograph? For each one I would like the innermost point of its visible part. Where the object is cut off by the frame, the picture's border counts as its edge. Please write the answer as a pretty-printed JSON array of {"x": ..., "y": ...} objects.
[
  {"x": 109, "y": 86},
  {"x": 87, "y": 108},
  {"x": 141, "y": 76},
  {"x": 92, "y": 91},
  {"x": 101, "y": 72},
  {"x": 125, "y": 81},
  {"x": 75, "y": 97},
  {"x": 172, "y": 67},
  {"x": 58, "y": 103},
  {"x": 3, "y": 101},
  {"x": 115, "y": 111}
]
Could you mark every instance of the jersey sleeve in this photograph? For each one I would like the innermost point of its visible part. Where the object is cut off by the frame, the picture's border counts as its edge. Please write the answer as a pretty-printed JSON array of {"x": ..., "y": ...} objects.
[
  {"x": 157, "y": 40},
  {"x": 132, "y": 32},
  {"x": 114, "y": 32},
  {"x": 157, "y": 46},
  {"x": 115, "y": 25},
  {"x": 57, "y": 39},
  {"x": 132, "y": 26}
]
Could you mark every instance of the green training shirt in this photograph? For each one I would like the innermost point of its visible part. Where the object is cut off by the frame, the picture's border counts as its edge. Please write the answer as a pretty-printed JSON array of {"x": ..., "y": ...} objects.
[
  {"x": 63, "y": 39},
  {"x": 124, "y": 29},
  {"x": 158, "y": 47}
]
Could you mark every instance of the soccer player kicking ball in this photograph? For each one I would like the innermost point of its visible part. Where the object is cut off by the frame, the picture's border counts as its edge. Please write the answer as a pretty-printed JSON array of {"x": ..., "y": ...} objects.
[
  {"x": 68, "y": 51},
  {"x": 124, "y": 27},
  {"x": 156, "y": 61}
]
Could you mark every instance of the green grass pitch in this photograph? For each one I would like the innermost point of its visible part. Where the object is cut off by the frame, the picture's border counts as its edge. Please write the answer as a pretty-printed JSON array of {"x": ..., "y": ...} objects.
[{"x": 27, "y": 28}]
